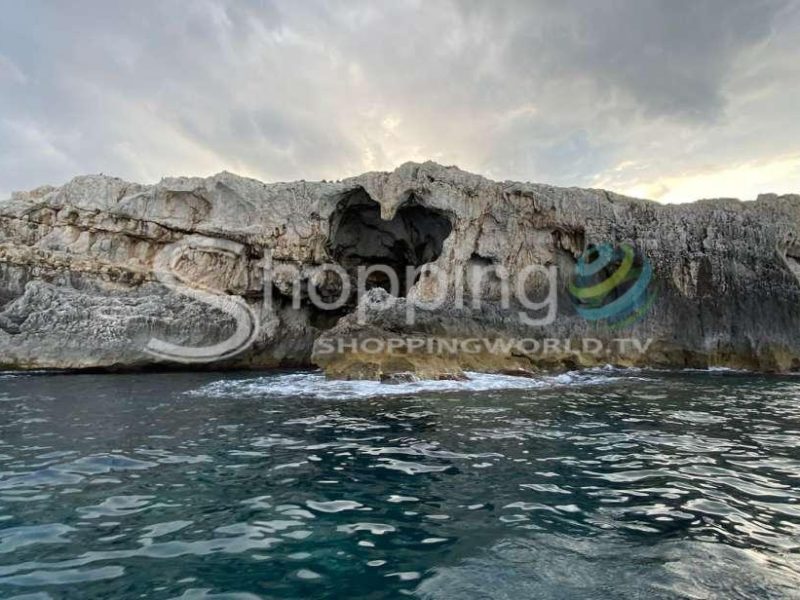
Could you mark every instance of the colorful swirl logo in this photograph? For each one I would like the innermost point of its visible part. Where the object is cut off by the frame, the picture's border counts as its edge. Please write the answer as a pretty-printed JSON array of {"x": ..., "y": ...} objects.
[{"x": 612, "y": 285}]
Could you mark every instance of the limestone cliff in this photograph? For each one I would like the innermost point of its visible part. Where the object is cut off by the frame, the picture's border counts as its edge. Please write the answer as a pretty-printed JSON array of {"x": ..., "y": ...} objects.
[{"x": 89, "y": 275}]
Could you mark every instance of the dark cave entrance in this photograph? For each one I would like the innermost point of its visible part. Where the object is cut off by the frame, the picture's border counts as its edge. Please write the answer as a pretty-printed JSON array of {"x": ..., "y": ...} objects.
[{"x": 360, "y": 237}]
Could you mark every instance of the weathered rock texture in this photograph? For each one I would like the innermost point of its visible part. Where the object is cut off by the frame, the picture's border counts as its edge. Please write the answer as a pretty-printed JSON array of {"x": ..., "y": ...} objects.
[{"x": 79, "y": 289}]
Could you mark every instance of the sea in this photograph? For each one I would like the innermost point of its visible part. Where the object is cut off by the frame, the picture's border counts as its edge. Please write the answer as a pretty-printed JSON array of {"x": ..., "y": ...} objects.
[{"x": 264, "y": 485}]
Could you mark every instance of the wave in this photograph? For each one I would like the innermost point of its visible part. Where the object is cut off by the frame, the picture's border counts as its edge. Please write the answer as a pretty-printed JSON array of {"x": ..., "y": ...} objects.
[{"x": 316, "y": 385}]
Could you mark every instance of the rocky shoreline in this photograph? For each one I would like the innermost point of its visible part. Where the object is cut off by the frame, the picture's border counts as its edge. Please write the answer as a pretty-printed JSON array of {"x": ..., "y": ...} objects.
[{"x": 83, "y": 285}]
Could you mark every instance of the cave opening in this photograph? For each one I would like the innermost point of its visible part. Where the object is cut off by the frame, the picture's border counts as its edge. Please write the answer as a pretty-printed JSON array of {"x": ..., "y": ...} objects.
[{"x": 360, "y": 237}]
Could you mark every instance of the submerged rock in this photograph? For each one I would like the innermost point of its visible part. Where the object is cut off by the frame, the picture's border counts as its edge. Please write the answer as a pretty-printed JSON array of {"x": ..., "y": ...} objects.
[{"x": 229, "y": 272}]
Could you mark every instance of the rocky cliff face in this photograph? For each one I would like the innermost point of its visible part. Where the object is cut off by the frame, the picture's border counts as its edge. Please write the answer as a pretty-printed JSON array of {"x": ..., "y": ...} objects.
[{"x": 101, "y": 273}]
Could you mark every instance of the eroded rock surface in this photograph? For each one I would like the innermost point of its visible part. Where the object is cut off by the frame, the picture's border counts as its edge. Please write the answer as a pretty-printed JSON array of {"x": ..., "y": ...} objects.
[{"x": 89, "y": 275}]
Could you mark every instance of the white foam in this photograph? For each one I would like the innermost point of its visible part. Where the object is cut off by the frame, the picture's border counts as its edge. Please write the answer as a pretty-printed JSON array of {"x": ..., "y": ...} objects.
[
  {"x": 713, "y": 369},
  {"x": 18, "y": 374},
  {"x": 316, "y": 385}
]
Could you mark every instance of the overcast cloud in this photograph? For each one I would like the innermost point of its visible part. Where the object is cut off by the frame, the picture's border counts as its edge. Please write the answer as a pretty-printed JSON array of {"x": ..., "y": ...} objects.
[{"x": 670, "y": 99}]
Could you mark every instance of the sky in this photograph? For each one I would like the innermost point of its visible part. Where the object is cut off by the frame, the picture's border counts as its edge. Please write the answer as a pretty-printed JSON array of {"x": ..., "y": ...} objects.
[{"x": 671, "y": 100}]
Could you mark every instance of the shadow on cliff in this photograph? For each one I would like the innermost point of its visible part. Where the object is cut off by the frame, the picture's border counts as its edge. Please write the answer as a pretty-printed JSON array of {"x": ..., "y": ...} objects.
[{"x": 360, "y": 237}]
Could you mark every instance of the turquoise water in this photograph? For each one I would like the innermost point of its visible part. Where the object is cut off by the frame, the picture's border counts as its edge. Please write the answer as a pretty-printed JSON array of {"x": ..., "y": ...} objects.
[{"x": 594, "y": 485}]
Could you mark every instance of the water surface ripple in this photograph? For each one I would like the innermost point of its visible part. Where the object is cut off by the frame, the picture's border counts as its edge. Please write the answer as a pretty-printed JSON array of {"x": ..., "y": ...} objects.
[{"x": 584, "y": 485}]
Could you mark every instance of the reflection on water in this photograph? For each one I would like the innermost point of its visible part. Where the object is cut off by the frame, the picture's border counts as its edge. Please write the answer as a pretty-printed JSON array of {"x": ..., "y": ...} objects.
[{"x": 598, "y": 484}]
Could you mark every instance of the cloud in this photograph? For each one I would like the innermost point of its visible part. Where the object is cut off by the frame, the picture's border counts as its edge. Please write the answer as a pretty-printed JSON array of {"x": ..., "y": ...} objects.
[
  {"x": 743, "y": 180},
  {"x": 563, "y": 92},
  {"x": 670, "y": 56},
  {"x": 11, "y": 73}
]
